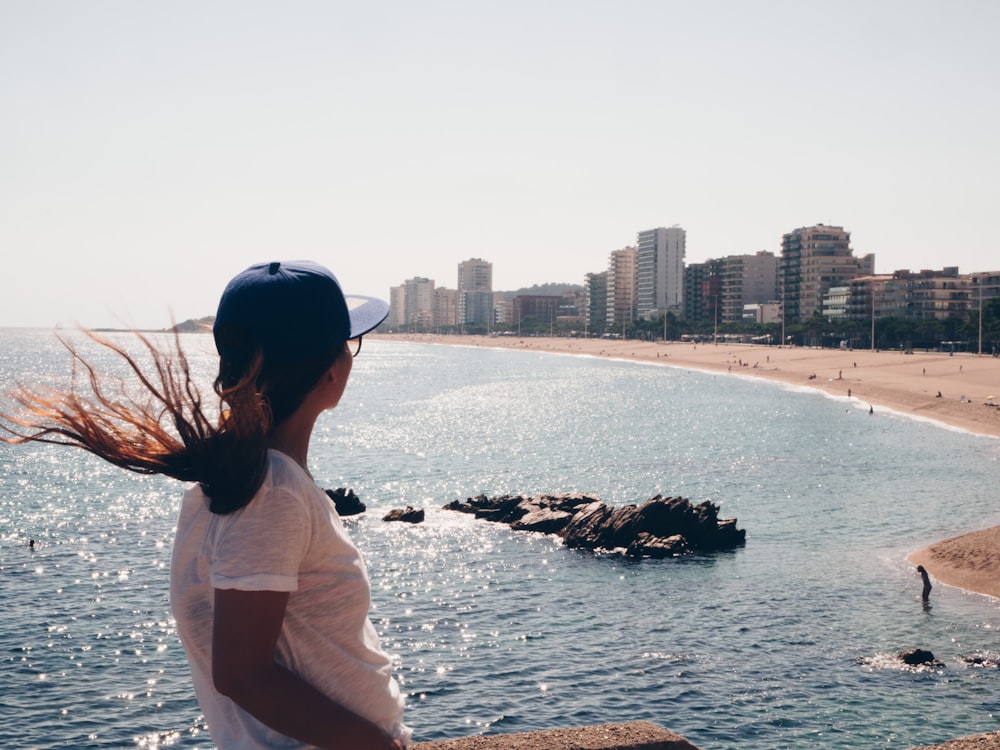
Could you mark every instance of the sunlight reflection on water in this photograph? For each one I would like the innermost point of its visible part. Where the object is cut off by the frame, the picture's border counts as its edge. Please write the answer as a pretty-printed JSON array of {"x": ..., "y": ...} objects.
[{"x": 498, "y": 631}]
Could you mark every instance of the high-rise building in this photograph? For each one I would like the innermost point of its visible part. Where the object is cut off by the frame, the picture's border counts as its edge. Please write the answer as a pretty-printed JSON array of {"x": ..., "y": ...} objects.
[
  {"x": 659, "y": 281},
  {"x": 621, "y": 287},
  {"x": 397, "y": 306},
  {"x": 703, "y": 290},
  {"x": 418, "y": 303},
  {"x": 475, "y": 291},
  {"x": 445, "y": 307},
  {"x": 747, "y": 280},
  {"x": 813, "y": 259},
  {"x": 596, "y": 292}
]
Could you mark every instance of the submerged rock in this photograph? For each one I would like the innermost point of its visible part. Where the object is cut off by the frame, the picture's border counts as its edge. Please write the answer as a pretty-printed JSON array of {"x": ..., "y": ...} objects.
[
  {"x": 981, "y": 660},
  {"x": 919, "y": 657},
  {"x": 407, "y": 515},
  {"x": 346, "y": 502},
  {"x": 660, "y": 527}
]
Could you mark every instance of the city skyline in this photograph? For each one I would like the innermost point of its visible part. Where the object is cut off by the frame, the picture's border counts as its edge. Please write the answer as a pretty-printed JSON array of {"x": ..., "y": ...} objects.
[
  {"x": 150, "y": 152},
  {"x": 815, "y": 273}
]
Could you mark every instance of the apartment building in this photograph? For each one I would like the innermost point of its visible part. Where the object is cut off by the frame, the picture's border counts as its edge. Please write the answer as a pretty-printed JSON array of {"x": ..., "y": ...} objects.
[
  {"x": 475, "y": 291},
  {"x": 983, "y": 287},
  {"x": 397, "y": 307},
  {"x": 747, "y": 280},
  {"x": 813, "y": 259},
  {"x": 702, "y": 290},
  {"x": 935, "y": 295},
  {"x": 538, "y": 308},
  {"x": 445, "y": 307},
  {"x": 922, "y": 295},
  {"x": 621, "y": 287},
  {"x": 595, "y": 289},
  {"x": 418, "y": 303},
  {"x": 659, "y": 279}
]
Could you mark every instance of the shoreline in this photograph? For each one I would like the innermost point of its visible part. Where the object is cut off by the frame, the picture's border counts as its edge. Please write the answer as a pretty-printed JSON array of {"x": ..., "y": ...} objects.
[{"x": 908, "y": 384}]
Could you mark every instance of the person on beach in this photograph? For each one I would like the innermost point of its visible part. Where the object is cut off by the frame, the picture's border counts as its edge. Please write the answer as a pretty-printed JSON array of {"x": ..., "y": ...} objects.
[
  {"x": 270, "y": 595},
  {"x": 926, "y": 593}
]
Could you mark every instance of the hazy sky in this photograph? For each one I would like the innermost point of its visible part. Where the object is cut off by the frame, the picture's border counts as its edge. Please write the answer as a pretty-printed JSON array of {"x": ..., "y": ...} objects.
[{"x": 150, "y": 150}]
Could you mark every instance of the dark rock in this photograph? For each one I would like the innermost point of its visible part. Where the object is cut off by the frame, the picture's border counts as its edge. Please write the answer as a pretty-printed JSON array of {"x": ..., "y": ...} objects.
[
  {"x": 346, "y": 502},
  {"x": 548, "y": 514},
  {"x": 658, "y": 528},
  {"x": 647, "y": 545},
  {"x": 544, "y": 520},
  {"x": 500, "y": 509},
  {"x": 977, "y": 660},
  {"x": 586, "y": 527},
  {"x": 919, "y": 657},
  {"x": 407, "y": 515}
]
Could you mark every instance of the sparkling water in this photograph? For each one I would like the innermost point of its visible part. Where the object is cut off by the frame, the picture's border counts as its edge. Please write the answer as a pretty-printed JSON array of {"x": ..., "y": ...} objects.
[{"x": 786, "y": 642}]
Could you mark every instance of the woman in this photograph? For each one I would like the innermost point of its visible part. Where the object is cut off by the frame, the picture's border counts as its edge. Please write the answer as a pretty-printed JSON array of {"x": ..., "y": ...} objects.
[{"x": 270, "y": 595}]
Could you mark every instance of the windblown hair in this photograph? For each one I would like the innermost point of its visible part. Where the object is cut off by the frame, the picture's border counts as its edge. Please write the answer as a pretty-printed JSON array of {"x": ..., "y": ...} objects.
[{"x": 167, "y": 431}]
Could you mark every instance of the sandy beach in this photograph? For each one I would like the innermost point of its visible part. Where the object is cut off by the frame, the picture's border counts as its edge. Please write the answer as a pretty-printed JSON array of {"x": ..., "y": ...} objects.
[
  {"x": 961, "y": 391},
  {"x": 969, "y": 386}
]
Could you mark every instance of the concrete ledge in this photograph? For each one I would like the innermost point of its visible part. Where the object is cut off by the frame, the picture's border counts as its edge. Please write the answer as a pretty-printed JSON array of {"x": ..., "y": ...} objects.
[
  {"x": 989, "y": 741},
  {"x": 634, "y": 735}
]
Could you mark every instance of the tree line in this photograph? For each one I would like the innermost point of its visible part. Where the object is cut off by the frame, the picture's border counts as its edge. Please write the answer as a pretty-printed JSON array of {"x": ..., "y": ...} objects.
[{"x": 954, "y": 334}]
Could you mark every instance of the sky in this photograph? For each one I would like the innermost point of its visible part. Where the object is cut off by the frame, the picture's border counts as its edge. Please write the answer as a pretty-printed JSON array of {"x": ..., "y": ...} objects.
[{"x": 150, "y": 151}]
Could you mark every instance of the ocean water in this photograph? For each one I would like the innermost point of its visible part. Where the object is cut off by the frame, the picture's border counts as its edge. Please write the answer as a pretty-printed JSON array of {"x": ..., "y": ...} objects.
[{"x": 783, "y": 643}]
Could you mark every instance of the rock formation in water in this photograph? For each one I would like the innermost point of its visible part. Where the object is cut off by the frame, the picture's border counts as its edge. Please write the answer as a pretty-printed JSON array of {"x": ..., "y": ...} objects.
[
  {"x": 407, "y": 515},
  {"x": 919, "y": 657},
  {"x": 981, "y": 660},
  {"x": 346, "y": 502},
  {"x": 661, "y": 527}
]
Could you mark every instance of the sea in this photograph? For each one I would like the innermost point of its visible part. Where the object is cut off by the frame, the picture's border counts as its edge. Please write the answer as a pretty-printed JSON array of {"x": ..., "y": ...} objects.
[{"x": 787, "y": 642}]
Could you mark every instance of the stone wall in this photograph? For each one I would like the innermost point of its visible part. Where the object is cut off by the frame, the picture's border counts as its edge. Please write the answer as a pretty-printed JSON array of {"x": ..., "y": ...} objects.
[{"x": 635, "y": 735}]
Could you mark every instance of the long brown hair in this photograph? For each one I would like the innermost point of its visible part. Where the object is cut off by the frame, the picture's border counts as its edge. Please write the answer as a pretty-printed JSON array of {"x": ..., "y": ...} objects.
[{"x": 168, "y": 430}]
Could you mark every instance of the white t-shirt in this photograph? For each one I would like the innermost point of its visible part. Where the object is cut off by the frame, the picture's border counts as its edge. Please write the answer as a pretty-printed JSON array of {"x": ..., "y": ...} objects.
[{"x": 288, "y": 538}]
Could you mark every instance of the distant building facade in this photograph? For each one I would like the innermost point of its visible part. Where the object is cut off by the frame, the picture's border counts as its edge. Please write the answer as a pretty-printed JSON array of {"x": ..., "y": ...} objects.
[
  {"x": 445, "y": 308},
  {"x": 621, "y": 287},
  {"x": 702, "y": 290},
  {"x": 762, "y": 312},
  {"x": 475, "y": 291},
  {"x": 835, "y": 302},
  {"x": 659, "y": 281},
  {"x": 503, "y": 310},
  {"x": 983, "y": 287},
  {"x": 397, "y": 307},
  {"x": 595, "y": 288},
  {"x": 908, "y": 295},
  {"x": 935, "y": 295},
  {"x": 813, "y": 259},
  {"x": 418, "y": 303},
  {"x": 538, "y": 308},
  {"x": 747, "y": 280}
]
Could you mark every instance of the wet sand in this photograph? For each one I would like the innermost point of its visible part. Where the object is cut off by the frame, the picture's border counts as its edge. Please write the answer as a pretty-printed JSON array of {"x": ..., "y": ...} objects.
[
  {"x": 970, "y": 561},
  {"x": 969, "y": 388}
]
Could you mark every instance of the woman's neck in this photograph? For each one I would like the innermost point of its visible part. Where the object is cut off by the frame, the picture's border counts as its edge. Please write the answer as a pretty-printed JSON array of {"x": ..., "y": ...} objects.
[{"x": 291, "y": 437}]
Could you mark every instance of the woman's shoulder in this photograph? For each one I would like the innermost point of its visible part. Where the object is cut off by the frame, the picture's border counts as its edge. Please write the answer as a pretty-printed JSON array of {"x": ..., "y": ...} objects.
[
  {"x": 283, "y": 469},
  {"x": 284, "y": 474}
]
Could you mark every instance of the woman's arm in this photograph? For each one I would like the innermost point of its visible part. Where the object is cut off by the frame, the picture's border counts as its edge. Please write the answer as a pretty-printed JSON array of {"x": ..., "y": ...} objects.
[{"x": 245, "y": 632}]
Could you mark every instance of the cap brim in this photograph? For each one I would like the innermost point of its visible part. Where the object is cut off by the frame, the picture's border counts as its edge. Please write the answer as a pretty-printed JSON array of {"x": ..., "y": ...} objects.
[{"x": 366, "y": 313}]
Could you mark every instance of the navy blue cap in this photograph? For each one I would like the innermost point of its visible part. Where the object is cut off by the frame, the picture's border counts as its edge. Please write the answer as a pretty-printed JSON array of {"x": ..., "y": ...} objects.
[{"x": 292, "y": 310}]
